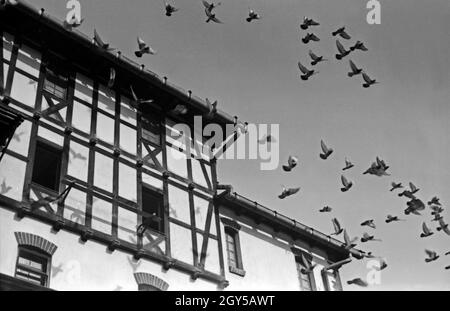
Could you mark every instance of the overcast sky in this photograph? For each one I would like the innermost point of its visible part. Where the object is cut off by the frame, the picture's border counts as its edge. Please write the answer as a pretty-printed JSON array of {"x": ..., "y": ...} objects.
[{"x": 251, "y": 69}]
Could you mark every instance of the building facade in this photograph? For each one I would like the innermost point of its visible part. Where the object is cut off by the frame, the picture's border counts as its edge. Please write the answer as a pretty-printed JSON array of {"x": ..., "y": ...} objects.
[{"x": 97, "y": 193}]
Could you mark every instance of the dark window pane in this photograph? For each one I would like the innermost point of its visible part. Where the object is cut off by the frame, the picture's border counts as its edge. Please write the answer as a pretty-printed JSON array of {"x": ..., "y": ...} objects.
[
  {"x": 47, "y": 165},
  {"x": 153, "y": 204},
  {"x": 151, "y": 129}
]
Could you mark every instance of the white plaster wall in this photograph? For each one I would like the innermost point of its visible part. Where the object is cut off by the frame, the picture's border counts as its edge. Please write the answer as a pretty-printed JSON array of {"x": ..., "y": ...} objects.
[{"x": 86, "y": 266}]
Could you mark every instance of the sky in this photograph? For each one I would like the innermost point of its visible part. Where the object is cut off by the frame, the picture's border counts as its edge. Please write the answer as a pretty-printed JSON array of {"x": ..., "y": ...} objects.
[{"x": 251, "y": 69}]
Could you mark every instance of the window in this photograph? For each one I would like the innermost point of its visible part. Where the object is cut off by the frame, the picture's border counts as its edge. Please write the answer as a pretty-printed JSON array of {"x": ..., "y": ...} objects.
[
  {"x": 56, "y": 84},
  {"x": 47, "y": 166},
  {"x": 33, "y": 266},
  {"x": 305, "y": 278},
  {"x": 153, "y": 210},
  {"x": 151, "y": 129},
  {"x": 234, "y": 251}
]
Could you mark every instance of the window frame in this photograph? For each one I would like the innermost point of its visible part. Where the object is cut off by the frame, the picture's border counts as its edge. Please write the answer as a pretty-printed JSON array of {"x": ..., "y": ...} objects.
[
  {"x": 238, "y": 267},
  {"x": 156, "y": 194},
  {"x": 50, "y": 147},
  {"x": 32, "y": 251}
]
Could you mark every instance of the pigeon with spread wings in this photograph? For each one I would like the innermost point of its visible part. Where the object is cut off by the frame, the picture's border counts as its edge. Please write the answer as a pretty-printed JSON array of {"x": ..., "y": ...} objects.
[
  {"x": 143, "y": 48},
  {"x": 368, "y": 80},
  {"x": 347, "y": 184},
  {"x": 310, "y": 37},
  {"x": 337, "y": 227},
  {"x": 308, "y": 22},
  {"x": 426, "y": 232},
  {"x": 342, "y": 33},
  {"x": 306, "y": 73},
  {"x": 100, "y": 43},
  {"x": 348, "y": 165},
  {"x": 326, "y": 152},
  {"x": 355, "y": 70},
  {"x": 288, "y": 192},
  {"x": 359, "y": 46},
  {"x": 170, "y": 9},
  {"x": 252, "y": 15},
  {"x": 342, "y": 51},
  {"x": 292, "y": 162},
  {"x": 316, "y": 59},
  {"x": 212, "y": 17},
  {"x": 432, "y": 256}
]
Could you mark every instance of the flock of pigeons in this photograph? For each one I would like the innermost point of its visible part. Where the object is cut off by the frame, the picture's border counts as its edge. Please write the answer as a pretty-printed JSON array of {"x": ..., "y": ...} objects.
[
  {"x": 378, "y": 168},
  {"x": 414, "y": 206},
  {"x": 342, "y": 52}
]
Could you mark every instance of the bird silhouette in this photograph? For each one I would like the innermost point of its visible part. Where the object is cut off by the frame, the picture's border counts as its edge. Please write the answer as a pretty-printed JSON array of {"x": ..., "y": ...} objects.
[
  {"x": 434, "y": 201},
  {"x": 348, "y": 165},
  {"x": 407, "y": 193},
  {"x": 337, "y": 227},
  {"x": 288, "y": 192},
  {"x": 307, "y": 266},
  {"x": 212, "y": 17},
  {"x": 349, "y": 243},
  {"x": 326, "y": 209},
  {"x": 212, "y": 109},
  {"x": 369, "y": 223},
  {"x": 306, "y": 73},
  {"x": 100, "y": 43},
  {"x": 436, "y": 210},
  {"x": 4, "y": 189},
  {"x": 378, "y": 168},
  {"x": 355, "y": 70},
  {"x": 347, "y": 184},
  {"x": 310, "y": 37},
  {"x": 391, "y": 218},
  {"x": 138, "y": 102},
  {"x": 443, "y": 227},
  {"x": 342, "y": 33},
  {"x": 57, "y": 269},
  {"x": 413, "y": 188},
  {"x": 432, "y": 256},
  {"x": 367, "y": 238},
  {"x": 368, "y": 81},
  {"x": 292, "y": 162},
  {"x": 426, "y": 232},
  {"x": 143, "y": 48},
  {"x": 252, "y": 15},
  {"x": 414, "y": 206},
  {"x": 316, "y": 59},
  {"x": 396, "y": 186},
  {"x": 358, "y": 282},
  {"x": 326, "y": 152},
  {"x": 210, "y": 6},
  {"x": 170, "y": 9},
  {"x": 342, "y": 51},
  {"x": 437, "y": 217},
  {"x": 308, "y": 22},
  {"x": 359, "y": 46}
]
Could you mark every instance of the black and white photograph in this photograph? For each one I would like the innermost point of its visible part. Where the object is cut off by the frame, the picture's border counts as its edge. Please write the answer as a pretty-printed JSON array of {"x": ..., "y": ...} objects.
[{"x": 198, "y": 146}]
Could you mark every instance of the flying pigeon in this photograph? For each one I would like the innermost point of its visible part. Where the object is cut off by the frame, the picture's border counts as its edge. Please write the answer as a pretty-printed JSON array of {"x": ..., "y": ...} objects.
[
  {"x": 432, "y": 256},
  {"x": 369, "y": 223},
  {"x": 383, "y": 265},
  {"x": 308, "y": 22},
  {"x": 100, "y": 43},
  {"x": 348, "y": 165},
  {"x": 355, "y": 70},
  {"x": 326, "y": 209},
  {"x": 414, "y": 206},
  {"x": 434, "y": 201},
  {"x": 288, "y": 192},
  {"x": 139, "y": 101},
  {"x": 74, "y": 23},
  {"x": 212, "y": 108},
  {"x": 252, "y": 15},
  {"x": 396, "y": 186},
  {"x": 212, "y": 17},
  {"x": 170, "y": 9},
  {"x": 316, "y": 59},
  {"x": 443, "y": 227},
  {"x": 144, "y": 48},
  {"x": 342, "y": 51},
  {"x": 413, "y": 188},
  {"x": 378, "y": 168},
  {"x": 292, "y": 162},
  {"x": 359, "y": 46},
  {"x": 337, "y": 227},
  {"x": 306, "y": 72},
  {"x": 4, "y": 188},
  {"x": 426, "y": 231},
  {"x": 436, "y": 210},
  {"x": 368, "y": 81},
  {"x": 342, "y": 33},
  {"x": 326, "y": 152},
  {"x": 391, "y": 218},
  {"x": 358, "y": 281},
  {"x": 310, "y": 37},
  {"x": 308, "y": 267},
  {"x": 367, "y": 237},
  {"x": 210, "y": 6},
  {"x": 407, "y": 194},
  {"x": 347, "y": 184},
  {"x": 437, "y": 217},
  {"x": 349, "y": 243}
]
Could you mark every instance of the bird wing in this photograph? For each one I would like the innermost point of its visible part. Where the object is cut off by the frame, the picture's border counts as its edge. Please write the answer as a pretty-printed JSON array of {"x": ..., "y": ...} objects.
[
  {"x": 345, "y": 35},
  {"x": 324, "y": 147},
  {"x": 366, "y": 78},
  {"x": 314, "y": 37},
  {"x": 97, "y": 39},
  {"x": 133, "y": 94},
  {"x": 313, "y": 22},
  {"x": 344, "y": 181},
  {"x": 303, "y": 68},
  {"x": 340, "y": 47},
  {"x": 353, "y": 66},
  {"x": 430, "y": 253},
  {"x": 313, "y": 56},
  {"x": 425, "y": 229},
  {"x": 412, "y": 187},
  {"x": 292, "y": 191},
  {"x": 347, "y": 240},
  {"x": 363, "y": 47},
  {"x": 292, "y": 161},
  {"x": 336, "y": 225},
  {"x": 206, "y": 4},
  {"x": 141, "y": 43}
]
